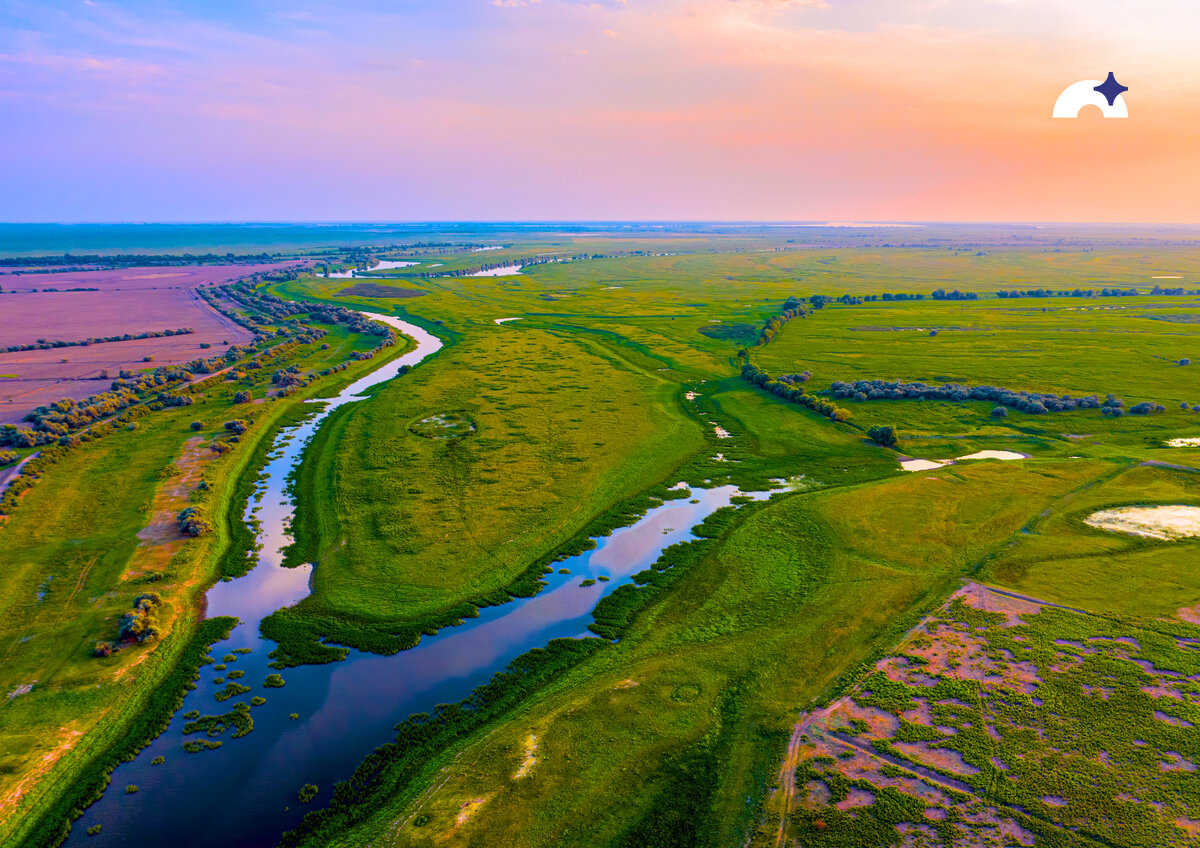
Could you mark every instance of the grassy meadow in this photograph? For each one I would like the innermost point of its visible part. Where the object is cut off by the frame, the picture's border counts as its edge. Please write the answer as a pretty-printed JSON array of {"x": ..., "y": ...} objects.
[
  {"x": 618, "y": 377},
  {"x": 674, "y": 735}
]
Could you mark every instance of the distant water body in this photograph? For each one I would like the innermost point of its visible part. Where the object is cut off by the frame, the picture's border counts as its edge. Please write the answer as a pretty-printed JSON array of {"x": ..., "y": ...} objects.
[{"x": 107, "y": 239}]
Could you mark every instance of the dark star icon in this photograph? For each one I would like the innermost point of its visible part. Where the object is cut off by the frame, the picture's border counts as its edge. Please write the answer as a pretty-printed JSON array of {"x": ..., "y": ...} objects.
[{"x": 1111, "y": 89}]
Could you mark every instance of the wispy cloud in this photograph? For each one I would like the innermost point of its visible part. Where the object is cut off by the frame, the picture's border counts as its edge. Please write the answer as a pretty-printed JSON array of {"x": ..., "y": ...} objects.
[{"x": 647, "y": 108}]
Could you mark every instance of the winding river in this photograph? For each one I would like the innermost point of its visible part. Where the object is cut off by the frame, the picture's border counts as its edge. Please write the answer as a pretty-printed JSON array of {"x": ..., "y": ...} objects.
[{"x": 244, "y": 793}]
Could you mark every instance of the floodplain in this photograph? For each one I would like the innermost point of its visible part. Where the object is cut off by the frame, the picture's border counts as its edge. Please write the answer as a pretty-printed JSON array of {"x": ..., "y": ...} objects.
[{"x": 858, "y": 654}]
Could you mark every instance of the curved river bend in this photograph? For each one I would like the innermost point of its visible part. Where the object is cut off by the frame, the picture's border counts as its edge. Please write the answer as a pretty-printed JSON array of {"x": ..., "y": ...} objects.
[{"x": 244, "y": 793}]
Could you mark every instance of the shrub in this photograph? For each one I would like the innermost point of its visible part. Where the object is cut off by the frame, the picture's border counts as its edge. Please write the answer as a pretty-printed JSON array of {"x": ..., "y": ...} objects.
[
  {"x": 1184, "y": 406},
  {"x": 141, "y": 623},
  {"x": 884, "y": 435},
  {"x": 103, "y": 649},
  {"x": 131, "y": 788},
  {"x": 158, "y": 761},
  {"x": 193, "y": 522},
  {"x": 273, "y": 681},
  {"x": 197, "y": 425},
  {"x": 7, "y": 457},
  {"x": 241, "y": 397},
  {"x": 237, "y": 425},
  {"x": 257, "y": 701},
  {"x": 1000, "y": 412},
  {"x": 1185, "y": 362},
  {"x": 307, "y": 792}
]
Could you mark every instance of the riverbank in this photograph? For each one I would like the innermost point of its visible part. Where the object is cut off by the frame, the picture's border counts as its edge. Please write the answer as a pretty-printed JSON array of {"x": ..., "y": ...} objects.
[{"x": 119, "y": 691}]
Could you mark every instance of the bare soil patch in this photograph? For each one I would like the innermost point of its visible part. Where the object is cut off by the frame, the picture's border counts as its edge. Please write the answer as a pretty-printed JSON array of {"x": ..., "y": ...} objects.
[{"x": 127, "y": 301}]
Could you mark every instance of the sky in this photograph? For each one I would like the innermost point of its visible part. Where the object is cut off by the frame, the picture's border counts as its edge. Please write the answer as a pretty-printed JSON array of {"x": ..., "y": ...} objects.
[{"x": 427, "y": 110}]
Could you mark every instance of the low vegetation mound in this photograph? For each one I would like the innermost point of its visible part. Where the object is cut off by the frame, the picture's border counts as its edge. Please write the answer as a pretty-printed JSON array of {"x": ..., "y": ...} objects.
[
  {"x": 444, "y": 425},
  {"x": 744, "y": 334}
]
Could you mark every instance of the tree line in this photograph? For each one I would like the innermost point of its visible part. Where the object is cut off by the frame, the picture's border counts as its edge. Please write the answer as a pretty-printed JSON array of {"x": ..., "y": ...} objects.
[{"x": 45, "y": 344}]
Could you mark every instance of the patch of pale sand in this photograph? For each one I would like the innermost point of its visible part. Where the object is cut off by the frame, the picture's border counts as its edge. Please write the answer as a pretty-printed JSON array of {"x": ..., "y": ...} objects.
[
  {"x": 1189, "y": 614},
  {"x": 1174, "y": 721},
  {"x": 1149, "y": 668},
  {"x": 1162, "y": 692},
  {"x": 856, "y": 798},
  {"x": 991, "y": 829},
  {"x": 880, "y": 724},
  {"x": 1054, "y": 801},
  {"x": 1127, "y": 641},
  {"x": 955, "y": 702},
  {"x": 469, "y": 808},
  {"x": 1185, "y": 442},
  {"x": 1165, "y": 523},
  {"x": 922, "y": 464},
  {"x": 1078, "y": 646},
  {"x": 982, "y": 598},
  {"x": 938, "y": 758},
  {"x": 690, "y": 395},
  {"x": 995, "y": 454},
  {"x": 998, "y": 763},
  {"x": 721, "y": 432},
  {"x": 627, "y": 683},
  {"x": 530, "y": 758},
  {"x": 864, "y": 766},
  {"x": 505, "y": 320},
  {"x": 934, "y": 813},
  {"x": 818, "y": 794},
  {"x": 1190, "y": 825},
  {"x": 1176, "y": 762},
  {"x": 920, "y": 714},
  {"x": 900, "y": 670},
  {"x": 916, "y": 835}
]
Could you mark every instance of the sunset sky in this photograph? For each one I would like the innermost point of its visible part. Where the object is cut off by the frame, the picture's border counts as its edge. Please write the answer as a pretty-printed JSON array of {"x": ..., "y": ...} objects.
[{"x": 617, "y": 109}]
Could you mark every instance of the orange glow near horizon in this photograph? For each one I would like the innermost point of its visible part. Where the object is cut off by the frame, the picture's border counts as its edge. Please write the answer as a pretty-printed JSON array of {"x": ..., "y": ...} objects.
[{"x": 680, "y": 109}]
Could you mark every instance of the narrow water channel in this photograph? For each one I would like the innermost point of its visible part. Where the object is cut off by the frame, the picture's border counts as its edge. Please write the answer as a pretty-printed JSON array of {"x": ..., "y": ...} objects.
[{"x": 244, "y": 793}]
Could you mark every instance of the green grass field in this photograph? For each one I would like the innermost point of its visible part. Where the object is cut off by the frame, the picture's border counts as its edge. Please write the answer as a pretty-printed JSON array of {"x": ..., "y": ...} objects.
[{"x": 614, "y": 381}]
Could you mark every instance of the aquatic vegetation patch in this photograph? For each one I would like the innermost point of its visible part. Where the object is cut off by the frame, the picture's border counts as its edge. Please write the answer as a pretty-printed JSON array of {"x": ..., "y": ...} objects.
[
  {"x": 195, "y": 746},
  {"x": 238, "y": 719},
  {"x": 231, "y": 690}
]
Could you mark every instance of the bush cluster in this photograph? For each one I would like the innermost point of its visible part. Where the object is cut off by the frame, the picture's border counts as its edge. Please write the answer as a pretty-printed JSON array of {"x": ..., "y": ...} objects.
[
  {"x": 1033, "y": 403},
  {"x": 791, "y": 391},
  {"x": 193, "y": 522}
]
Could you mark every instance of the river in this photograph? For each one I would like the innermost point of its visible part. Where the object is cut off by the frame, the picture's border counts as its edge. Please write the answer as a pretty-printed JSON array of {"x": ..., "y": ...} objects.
[{"x": 244, "y": 793}]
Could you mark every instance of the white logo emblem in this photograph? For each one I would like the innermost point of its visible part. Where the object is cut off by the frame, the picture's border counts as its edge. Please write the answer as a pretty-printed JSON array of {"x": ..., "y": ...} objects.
[{"x": 1104, "y": 95}]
